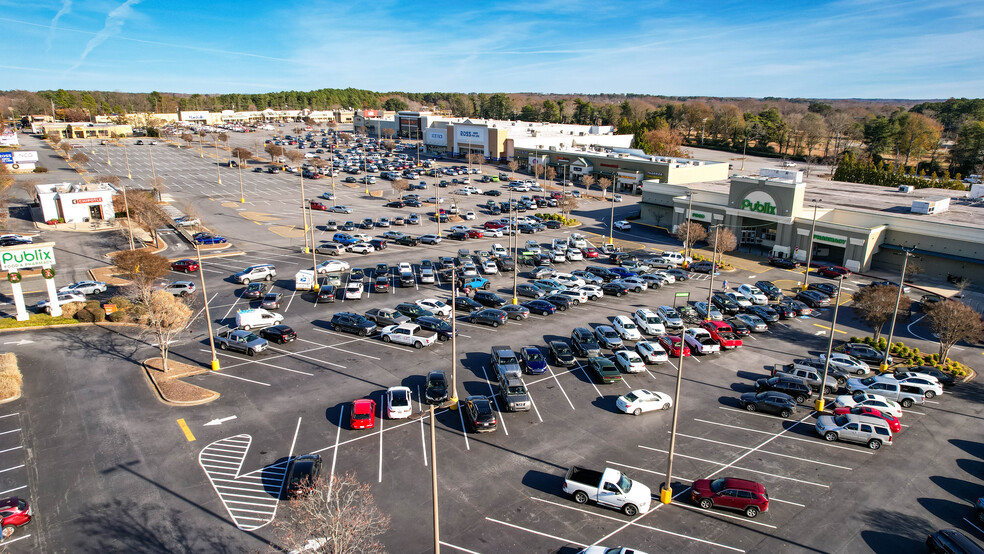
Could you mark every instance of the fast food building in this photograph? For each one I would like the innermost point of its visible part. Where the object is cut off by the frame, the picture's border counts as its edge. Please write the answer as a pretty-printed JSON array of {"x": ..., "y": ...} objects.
[{"x": 76, "y": 202}]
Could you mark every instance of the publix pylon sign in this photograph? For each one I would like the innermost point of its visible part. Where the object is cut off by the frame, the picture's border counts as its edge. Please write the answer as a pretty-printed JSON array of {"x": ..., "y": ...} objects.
[
  {"x": 759, "y": 202},
  {"x": 34, "y": 255}
]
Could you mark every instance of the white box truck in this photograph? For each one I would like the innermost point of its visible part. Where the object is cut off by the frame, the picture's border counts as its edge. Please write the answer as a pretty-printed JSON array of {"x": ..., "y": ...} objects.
[{"x": 304, "y": 280}]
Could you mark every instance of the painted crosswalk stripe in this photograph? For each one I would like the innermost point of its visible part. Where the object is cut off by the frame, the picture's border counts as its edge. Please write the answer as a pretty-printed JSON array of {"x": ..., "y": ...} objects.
[{"x": 250, "y": 500}]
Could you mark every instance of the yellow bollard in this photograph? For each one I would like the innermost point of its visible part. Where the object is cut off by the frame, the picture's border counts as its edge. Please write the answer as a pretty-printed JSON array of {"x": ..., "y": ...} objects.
[
  {"x": 453, "y": 403},
  {"x": 215, "y": 364},
  {"x": 665, "y": 495},
  {"x": 819, "y": 404}
]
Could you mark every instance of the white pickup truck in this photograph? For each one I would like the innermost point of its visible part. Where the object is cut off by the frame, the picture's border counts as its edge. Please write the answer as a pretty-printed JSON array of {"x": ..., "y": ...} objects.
[
  {"x": 608, "y": 487},
  {"x": 701, "y": 341},
  {"x": 409, "y": 334}
]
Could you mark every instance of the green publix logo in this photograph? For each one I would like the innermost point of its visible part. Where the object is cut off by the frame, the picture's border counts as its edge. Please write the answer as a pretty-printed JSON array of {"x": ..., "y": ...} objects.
[
  {"x": 39, "y": 256},
  {"x": 763, "y": 208}
]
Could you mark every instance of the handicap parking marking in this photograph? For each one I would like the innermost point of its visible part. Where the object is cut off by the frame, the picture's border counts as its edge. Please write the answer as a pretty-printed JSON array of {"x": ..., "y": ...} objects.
[
  {"x": 802, "y": 439},
  {"x": 246, "y": 498}
]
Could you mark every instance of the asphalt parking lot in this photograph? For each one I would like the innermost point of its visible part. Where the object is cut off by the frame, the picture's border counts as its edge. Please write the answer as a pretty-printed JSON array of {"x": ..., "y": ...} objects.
[{"x": 500, "y": 492}]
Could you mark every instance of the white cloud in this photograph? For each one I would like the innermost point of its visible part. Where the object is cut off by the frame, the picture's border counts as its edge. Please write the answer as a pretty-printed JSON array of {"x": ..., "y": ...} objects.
[
  {"x": 114, "y": 24},
  {"x": 65, "y": 9}
]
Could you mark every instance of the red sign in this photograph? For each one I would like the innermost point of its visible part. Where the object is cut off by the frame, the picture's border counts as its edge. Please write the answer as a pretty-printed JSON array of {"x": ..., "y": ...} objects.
[
  {"x": 608, "y": 165},
  {"x": 369, "y": 113},
  {"x": 95, "y": 200}
]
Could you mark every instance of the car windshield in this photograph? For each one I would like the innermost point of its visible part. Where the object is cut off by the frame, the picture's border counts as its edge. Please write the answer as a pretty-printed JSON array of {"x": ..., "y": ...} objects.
[
  {"x": 652, "y": 320},
  {"x": 672, "y": 315},
  {"x": 717, "y": 485},
  {"x": 251, "y": 337},
  {"x": 628, "y": 325},
  {"x": 631, "y": 397},
  {"x": 507, "y": 360},
  {"x": 400, "y": 398},
  {"x": 534, "y": 355},
  {"x": 625, "y": 484},
  {"x": 609, "y": 334},
  {"x": 840, "y": 420},
  {"x": 516, "y": 389}
]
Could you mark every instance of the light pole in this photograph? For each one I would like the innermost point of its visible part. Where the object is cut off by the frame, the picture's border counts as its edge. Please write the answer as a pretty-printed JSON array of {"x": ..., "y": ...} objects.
[
  {"x": 813, "y": 230},
  {"x": 710, "y": 281},
  {"x": 666, "y": 489},
  {"x": 703, "y": 124},
  {"x": 108, "y": 161},
  {"x": 437, "y": 526},
  {"x": 314, "y": 261},
  {"x": 830, "y": 344},
  {"x": 242, "y": 195},
  {"x": 895, "y": 314},
  {"x": 208, "y": 318},
  {"x": 201, "y": 152},
  {"x": 153, "y": 172},
  {"x": 303, "y": 213},
  {"x": 126, "y": 157},
  {"x": 454, "y": 340},
  {"x": 515, "y": 245},
  {"x": 129, "y": 220},
  {"x": 611, "y": 222},
  {"x": 215, "y": 141},
  {"x": 690, "y": 210}
]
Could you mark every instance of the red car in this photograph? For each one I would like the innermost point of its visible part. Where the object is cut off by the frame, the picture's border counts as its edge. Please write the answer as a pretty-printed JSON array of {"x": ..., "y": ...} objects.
[
  {"x": 15, "y": 513},
  {"x": 363, "y": 414},
  {"x": 186, "y": 265},
  {"x": 590, "y": 252},
  {"x": 671, "y": 343},
  {"x": 319, "y": 206},
  {"x": 475, "y": 234},
  {"x": 893, "y": 422},
  {"x": 833, "y": 271},
  {"x": 493, "y": 225},
  {"x": 727, "y": 492}
]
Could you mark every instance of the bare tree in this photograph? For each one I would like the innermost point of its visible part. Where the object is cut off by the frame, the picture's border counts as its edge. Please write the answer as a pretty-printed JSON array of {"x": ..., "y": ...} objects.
[
  {"x": 339, "y": 512},
  {"x": 952, "y": 321},
  {"x": 53, "y": 137},
  {"x": 188, "y": 138},
  {"x": 604, "y": 183},
  {"x": 400, "y": 185},
  {"x": 80, "y": 158},
  {"x": 166, "y": 316},
  {"x": 294, "y": 156},
  {"x": 690, "y": 233},
  {"x": 587, "y": 181},
  {"x": 568, "y": 204},
  {"x": 242, "y": 154},
  {"x": 345, "y": 136},
  {"x": 389, "y": 145},
  {"x": 142, "y": 269},
  {"x": 550, "y": 173},
  {"x": 513, "y": 166},
  {"x": 274, "y": 150},
  {"x": 876, "y": 305},
  {"x": 722, "y": 240},
  {"x": 146, "y": 212},
  {"x": 388, "y": 133},
  {"x": 65, "y": 148}
]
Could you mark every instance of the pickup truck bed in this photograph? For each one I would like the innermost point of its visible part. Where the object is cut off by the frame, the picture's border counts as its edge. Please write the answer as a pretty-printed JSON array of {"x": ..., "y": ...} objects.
[{"x": 584, "y": 475}]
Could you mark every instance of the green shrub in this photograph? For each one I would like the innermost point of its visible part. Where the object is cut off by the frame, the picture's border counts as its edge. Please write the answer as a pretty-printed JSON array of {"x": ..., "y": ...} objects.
[
  {"x": 98, "y": 316},
  {"x": 117, "y": 317},
  {"x": 40, "y": 169},
  {"x": 35, "y": 320},
  {"x": 122, "y": 303},
  {"x": 85, "y": 316}
]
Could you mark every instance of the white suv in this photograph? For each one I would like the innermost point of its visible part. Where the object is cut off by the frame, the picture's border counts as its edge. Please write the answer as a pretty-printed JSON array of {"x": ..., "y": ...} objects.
[
  {"x": 264, "y": 272},
  {"x": 626, "y": 328},
  {"x": 649, "y": 322}
]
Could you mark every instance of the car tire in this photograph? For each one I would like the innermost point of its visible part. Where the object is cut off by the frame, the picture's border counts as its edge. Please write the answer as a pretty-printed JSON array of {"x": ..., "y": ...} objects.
[
  {"x": 386, "y": 338},
  {"x": 751, "y": 511},
  {"x": 223, "y": 346},
  {"x": 247, "y": 327},
  {"x": 750, "y": 407},
  {"x": 630, "y": 510},
  {"x": 705, "y": 503},
  {"x": 800, "y": 399},
  {"x": 828, "y": 390},
  {"x": 841, "y": 381},
  {"x": 495, "y": 323},
  {"x": 186, "y": 270},
  {"x": 362, "y": 332},
  {"x": 665, "y": 407},
  {"x": 906, "y": 402},
  {"x": 785, "y": 414},
  {"x": 860, "y": 372},
  {"x": 930, "y": 394},
  {"x": 830, "y": 436},
  {"x": 250, "y": 352},
  {"x": 268, "y": 278},
  {"x": 874, "y": 444},
  {"x": 245, "y": 281},
  {"x": 418, "y": 345}
]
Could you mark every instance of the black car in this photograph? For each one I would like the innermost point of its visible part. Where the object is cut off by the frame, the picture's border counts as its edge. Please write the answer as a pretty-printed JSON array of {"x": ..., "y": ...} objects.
[
  {"x": 826, "y": 288},
  {"x": 738, "y": 326},
  {"x": 395, "y": 204},
  {"x": 952, "y": 541},
  {"x": 407, "y": 240},
  {"x": 813, "y": 298},
  {"x": 765, "y": 313},
  {"x": 436, "y": 389},
  {"x": 488, "y": 316},
  {"x": 378, "y": 244},
  {"x": 255, "y": 290},
  {"x": 505, "y": 263},
  {"x": 602, "y": 272},
  {"x": 785, "y": 311},
  {"x": 435, "y": 325},
  {"x": 778, "y": 403},
  {"x": 381, "y": 269},
  {"x": 381, "y": 284},
  {"x": 479, "y": 414},
  {"x": 724, "y": 304},
  {"x": 302, "y": 473},
  {"x": 562, "y": 354},
  {"x": 770, "y": 290},
  {"x": 541, "y": 307},
  {"x": 352, "y": 323},
  {"x": 553, "y": 224},
  {"x": 489, "y": 299},
  {"x": 784, "y": 263},
  {"x": 865, "y": 353},
  {"x": 562, "y": 302},
  {"x": 348, "y": 226},
  {"x": 701, "y": 267},
  {"x": 614, "y": 289},
  {"x": 797, "y": 306},
  {"x": 327, "y": 293},
  {"x": 413, "y": 311},
  {"x": 457, "y": 235},
  {"x": 793, "y": 386},
  {"x": 357, "y": 274},
  {"x": 466, "y": 304},
  {"x": 280, "y": 334}
]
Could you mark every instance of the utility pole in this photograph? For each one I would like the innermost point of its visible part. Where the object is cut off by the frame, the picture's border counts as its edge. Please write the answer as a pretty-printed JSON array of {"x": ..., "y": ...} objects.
[
  {"x": 813, "y": 231},
  {"x": 126, "y": 157},
  {"x": 437, "y": 526},
  {"x": 515, "y": 245},
  {"x": 690, "y": 210},
  {"x": 153, "y": 172},
  {"x": 303, "y": 212},
  {"x": 830, "y": 343},
  {"x": 208, "y": 317},
  {"x": 454, "y": 340},
  {"x": 710, "y": 282},
  {"x": 666, "y": 489},
  {"x": 895, "y": 314},
  {"x": 215, "y": 140},
  {"x": 242, "y": 195}
]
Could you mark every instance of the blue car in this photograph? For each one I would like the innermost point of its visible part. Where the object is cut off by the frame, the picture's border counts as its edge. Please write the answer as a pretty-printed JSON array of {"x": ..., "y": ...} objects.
[
  {"x": 621, "y": 272},
  {"x": 344, "y": 239},
  {"x": 476, "y": 283},
  {"x": 533, "y": 360},
  {"x": 541, "y": 307},
  {"x": 210, "y": 239}
]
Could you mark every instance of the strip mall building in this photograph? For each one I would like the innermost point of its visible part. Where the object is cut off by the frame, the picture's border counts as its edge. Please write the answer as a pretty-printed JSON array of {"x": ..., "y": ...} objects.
[{"x": 854, "y": 225}]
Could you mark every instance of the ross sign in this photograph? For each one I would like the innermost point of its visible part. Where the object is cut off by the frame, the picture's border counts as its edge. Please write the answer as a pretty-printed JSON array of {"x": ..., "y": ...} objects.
[
  {"x": 95, "y": 200},
  {"x": 828, "y": 239},
  {"x": 759, "y": 202},
  {"x": 33, "y": 256},
  {"x": 468, "y": 134}
]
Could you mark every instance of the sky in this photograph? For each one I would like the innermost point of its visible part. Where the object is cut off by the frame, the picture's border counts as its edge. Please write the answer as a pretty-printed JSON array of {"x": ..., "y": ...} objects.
[{"x": 924, "y": 49}]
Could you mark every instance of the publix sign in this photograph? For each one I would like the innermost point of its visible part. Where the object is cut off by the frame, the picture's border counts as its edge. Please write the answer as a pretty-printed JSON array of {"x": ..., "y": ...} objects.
[
  {"x": 35, "y": 256},
  {"x": 759, "y": 202}
]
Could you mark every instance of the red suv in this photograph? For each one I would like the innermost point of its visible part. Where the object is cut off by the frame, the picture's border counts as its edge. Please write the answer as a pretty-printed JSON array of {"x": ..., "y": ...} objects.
[
  {"x": 727, "y": 492},
  {"x": 15, "y": 512},
  {"x": 185, "y": 265},
  {"x": 475, "y": 234},
  {"x": 834, "y": 271}
]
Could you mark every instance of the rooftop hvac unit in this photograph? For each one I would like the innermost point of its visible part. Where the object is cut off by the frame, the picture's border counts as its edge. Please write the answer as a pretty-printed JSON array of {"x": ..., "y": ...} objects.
[
  {"x": 931, "y": 206},
  {"x": 905, "y": 188}
]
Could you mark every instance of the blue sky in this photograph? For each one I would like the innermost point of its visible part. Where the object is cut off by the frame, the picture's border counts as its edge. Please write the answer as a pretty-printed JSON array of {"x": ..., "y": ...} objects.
[{"x": 827, "y": 49}]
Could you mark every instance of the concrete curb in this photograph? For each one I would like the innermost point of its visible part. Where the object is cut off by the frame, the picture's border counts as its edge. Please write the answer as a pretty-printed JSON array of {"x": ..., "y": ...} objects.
[
  {"x": 163, "y": 398},
  {"x": 12, "y": 398}
]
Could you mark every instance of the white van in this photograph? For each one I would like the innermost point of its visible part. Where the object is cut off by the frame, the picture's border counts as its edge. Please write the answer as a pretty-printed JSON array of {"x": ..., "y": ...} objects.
[{"x": 257, "y": 318}]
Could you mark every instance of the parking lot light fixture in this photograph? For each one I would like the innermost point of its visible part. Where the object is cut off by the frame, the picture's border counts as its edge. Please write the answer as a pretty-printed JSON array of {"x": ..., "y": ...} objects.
[
  {"x": 453, "y": 397},
  {"x": 304, "y": 212},
  {"x": 218, "y": 174},
  {"x": 208, "y": 317},
  {"x": 126, "y": 157},
  {"x": 314, "y": 261},
  {"x": 108, "y": 161},
  {"x": 883, "y": 366},
  {"x": 433, "y": 449},
  {"x": 809, "y": 253},
  {"x": 710, "y": 282},
  {"x": 666, "y": 488},
  {"x": 830, "y": 344}
]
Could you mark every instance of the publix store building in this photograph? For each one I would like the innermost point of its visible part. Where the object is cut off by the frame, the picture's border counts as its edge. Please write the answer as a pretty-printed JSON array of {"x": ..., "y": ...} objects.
[{"x": 856, "y": 226}]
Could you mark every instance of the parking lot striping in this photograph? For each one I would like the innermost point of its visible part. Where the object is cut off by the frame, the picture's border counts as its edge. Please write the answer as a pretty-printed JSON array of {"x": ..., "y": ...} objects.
[
  {"x": 974, "y": 526},
  {"x": 13, "y": 489},
  {"x": 376, "y": 342},
  {"x": 646, "y": 470},
  {"x": 549, "y": 536},
  {"x": 765, "y": 452},
  {"x": 719, "y": 513},
  {"x": 9, "y": 415},
  {"x": 10, "y": 541},
  {"x": 237, "y": 377},
  {"x": 9, "y": 449},
  {"x": 459, "y": 548},
  {"x": 291, "y": 300},
  {"x": 244, "y": 489},
  {"x": 11, "y": 468},
  {"x": 634, "y": 524},
  {"x": 915, "y": 412},
  {"x": 827, "y": 445},
  {"x": 293, "y": 355},
  {"x": 495, "y": 399},
  {"x": 586, "y": 376},
  {"x": 464, "y": 433},
  {"x": 535, "y": 409},
  {"x": 423, "y": 440},
  {"x": 730, "y": 409},
  {"x": 373, "y": 434},
  {"x": 731, "y": 465},
  {"x": 186, "y": 430},
  {"x": 8, "y": 432},
  {"x": 828, "y": 328},
  {"x": 559, "y": 386},
  {"x": 931, "y": 402},
  {"x": 381, "y": 419},
  {"x": 286, "y": 368},
  {"x": 781, "y": 501}
]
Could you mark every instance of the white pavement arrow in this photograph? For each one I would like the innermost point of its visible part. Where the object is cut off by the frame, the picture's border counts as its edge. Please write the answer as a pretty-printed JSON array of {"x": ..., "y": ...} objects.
[
  {"x": 21, "y": 342},
  {"x": 220, "y": 420}
]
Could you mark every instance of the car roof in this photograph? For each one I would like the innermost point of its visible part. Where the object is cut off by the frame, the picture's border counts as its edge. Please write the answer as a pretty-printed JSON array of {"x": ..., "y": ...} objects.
[{"x": 743, "y": 484}]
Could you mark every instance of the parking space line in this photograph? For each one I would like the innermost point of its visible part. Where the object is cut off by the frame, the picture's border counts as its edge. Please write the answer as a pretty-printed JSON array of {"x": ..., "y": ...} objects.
[
  {"x": 787, "y": 502},
  {"x": 731, "y": 465},
  {"x": 914, "y": 412},
  {"x": 9, "y": 415},
  {"x": 730, "y": 409},
  {"x": 974, "y": 526},
  {"x": 12, "y": 431},
  {"x": 10, "y": 541},
  {"x": 722, "y": 514},
  {"x": 646, "y": 470},
  {"x": 765, "y": 451},
  {"x": 493, "y": 395},
  {"x": 258, "y": 362},
  {"x": 334, "y": 454},
  {"x": 297, "y": 355},
  {"x": 11, "y": 468},
  {"x": 381, "y": 419},
  {"x": 376, "y": 342},
  {"x": 291, "y": 300},
  {"x": 9, "y": 449},
  {"x": 237, "y": 377},
  {"x": 825, "y": 444},
  {"x": 549, "y": 536},
  {"x": 588, "y": 377},
  {"x": 464, "y": 433},
  {"x": 634, "y": 524},
  {"x": 535, "y": 409},
  {"x": 13, "y": 489},
  {"x": 423, "y": 440},
  {"x": 459, "y": 548}
]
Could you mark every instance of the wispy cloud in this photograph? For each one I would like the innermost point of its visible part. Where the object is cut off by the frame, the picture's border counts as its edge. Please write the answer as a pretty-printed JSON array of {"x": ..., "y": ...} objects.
[
  {"x": 66, "y": 7},
  {"x": 114, "y": 24}
]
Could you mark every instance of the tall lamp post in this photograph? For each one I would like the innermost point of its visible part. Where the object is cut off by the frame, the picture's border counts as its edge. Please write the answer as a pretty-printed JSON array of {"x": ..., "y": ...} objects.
[
  {"x": 895, "y": 314},
  {"x": 126, "y": 157},
  {"x": 242, "y": 195},
  {"x": 813, "y": 231},
  {"x": 208, "y": 317},
  {"x": 218, "y": 174},
  {"x": 515, "y": 249},
  {"x": 611, "y": 221},
  {"x": 703, "y": 124},
  {"x": 690, "y": 209},
  {"x": 453, "y": 397},
  {"x": 153, "y": 173},
  {"x": 830, "y": 344},
  {"x": 304, "y": 220},
  {"x": 666, "y": 489},
  {"x": 710, "y": 282}
]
